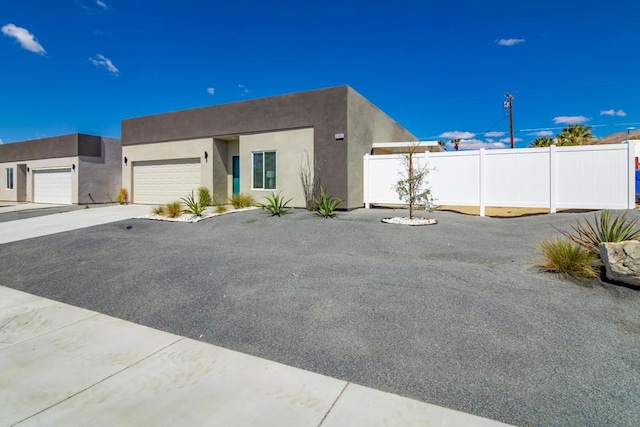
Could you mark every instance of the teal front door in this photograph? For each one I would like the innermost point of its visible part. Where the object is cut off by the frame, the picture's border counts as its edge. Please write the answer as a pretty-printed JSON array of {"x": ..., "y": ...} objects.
[{"x": 236, "y": 174}]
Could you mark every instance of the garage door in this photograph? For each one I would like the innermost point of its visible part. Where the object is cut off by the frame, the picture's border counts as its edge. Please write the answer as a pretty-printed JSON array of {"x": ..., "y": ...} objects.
[
  {"x": 52, "y": 186},
  {"x": 164, "y": 181}
]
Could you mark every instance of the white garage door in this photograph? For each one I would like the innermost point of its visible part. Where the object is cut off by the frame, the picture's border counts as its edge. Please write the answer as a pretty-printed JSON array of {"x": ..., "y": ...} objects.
[
  {"x": 163, "y": 181},
  {"x": 52, "y": 186}
]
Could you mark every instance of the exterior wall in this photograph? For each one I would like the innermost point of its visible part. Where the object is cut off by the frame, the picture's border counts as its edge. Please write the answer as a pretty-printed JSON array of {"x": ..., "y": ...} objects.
[
  {"x": 6, "y": 194},
  {"x": 100, "y": 178},
  {"x": 233, "y": 149},
  {"x": 46, "y": 148},
  {"x": 290, "y": 147},
  {"x": 366, "y": 124},
  {"x": 183, "y": 149},
  {"x": 63, "y": 162}
]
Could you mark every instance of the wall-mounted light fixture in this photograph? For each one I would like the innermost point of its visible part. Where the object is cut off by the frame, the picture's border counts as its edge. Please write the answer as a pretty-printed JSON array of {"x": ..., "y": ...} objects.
[
  {"x": 206, "y": 156},
  {"x": 28, "y": 170},
  {"x": 73, "y": 166},
  {"x": 125, "y": 161}
]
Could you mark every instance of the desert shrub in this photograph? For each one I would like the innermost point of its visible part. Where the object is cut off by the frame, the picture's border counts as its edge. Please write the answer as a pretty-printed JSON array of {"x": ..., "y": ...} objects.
[
  {"x": 326, "y": 206},
  {"x": 204, "y": 196},
  {"x": 242, "y": 200},
  {"x": 276, "y": 204},
  {"x": 565, "y": 257},
  {"x": 123, "y": 196},
  {"x": 604, "y": 229},
  {"x": 158, "y": 210},
  {"x": 173, "y": 209},
  {"x": 193, "y": 206},
  {"x": 221, "y": 208}
]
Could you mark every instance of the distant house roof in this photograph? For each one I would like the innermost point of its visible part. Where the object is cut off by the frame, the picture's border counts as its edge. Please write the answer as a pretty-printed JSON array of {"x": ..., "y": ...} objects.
[
  {"x": 617, "y": 138},
  {"x": 405, "y": 146}
]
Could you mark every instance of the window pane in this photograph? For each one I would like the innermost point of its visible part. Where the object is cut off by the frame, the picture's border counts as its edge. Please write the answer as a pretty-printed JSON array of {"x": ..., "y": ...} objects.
[
  {"x": 10, "y": 178},
  {"x": 270, "y": 170},
  {"x": 258, "y": 170}
]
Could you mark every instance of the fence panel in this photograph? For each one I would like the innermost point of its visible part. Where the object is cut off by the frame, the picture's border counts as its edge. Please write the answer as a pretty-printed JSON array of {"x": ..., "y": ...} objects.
[{"x": 592, "y": 177}]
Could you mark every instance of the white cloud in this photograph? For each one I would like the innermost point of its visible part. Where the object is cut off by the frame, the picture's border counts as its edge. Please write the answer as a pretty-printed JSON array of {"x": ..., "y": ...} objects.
[
  {"x": 619, "y": 113},
  {"x": 1, "y": 142},
  {"x": 24, "y": 37},
  {"x": 570, "y": 120},
  {"x": 494, "y": 134},
  {"x": 476, "y": 144},
  {"x": 92, "y": 7},
  {"x": 243, "y": 89},
  {"x": 102, "y": 4},
  {"x": 102, "y": 61},
  {"x": 211, "y": 90},
  {"x": 541, "y": 133},
  {"x": 509, "y": 42},
  {"x": 505, "y": 140},
  {"x": 456, "y": 134}
]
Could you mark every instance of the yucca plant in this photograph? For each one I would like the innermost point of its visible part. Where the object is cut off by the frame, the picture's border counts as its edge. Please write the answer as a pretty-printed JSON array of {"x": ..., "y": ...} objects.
[
  {"x": 242, "y": 200},
  {"x": 326, "y": 206},
  {"x": 193, "y": 206},
  {"x": 565, "y": 257},
  {"x": 173, "y": 209},
  {"x": 276, "y": 204},
  {"x": 603, "y": 229},
  {"x": 158, "y": 210}
]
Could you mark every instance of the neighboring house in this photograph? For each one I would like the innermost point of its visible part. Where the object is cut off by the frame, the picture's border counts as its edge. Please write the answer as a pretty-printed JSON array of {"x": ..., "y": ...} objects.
[
  {"x": 256, "y": 147},
  {"x": 69, "y": 169}
]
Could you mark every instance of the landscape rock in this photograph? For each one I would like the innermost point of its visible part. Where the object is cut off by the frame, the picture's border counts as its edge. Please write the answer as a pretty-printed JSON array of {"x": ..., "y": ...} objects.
[{"x": 622, "y": 261}]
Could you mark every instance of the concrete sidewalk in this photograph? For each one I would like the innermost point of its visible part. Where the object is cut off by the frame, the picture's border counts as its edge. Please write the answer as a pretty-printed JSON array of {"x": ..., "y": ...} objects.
[
  {"x": 29, "y": 228},
  {"x": 63, "y": 365}
]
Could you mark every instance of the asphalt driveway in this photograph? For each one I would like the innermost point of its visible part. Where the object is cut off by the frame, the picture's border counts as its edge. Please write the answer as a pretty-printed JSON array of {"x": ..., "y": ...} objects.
[{"x": 452, "y": 314}]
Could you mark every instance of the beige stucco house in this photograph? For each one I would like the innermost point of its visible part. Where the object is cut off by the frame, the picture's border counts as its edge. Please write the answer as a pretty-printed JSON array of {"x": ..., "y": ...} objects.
[
  {"x": 256, "y": 147},
  {"x": 68, "y": 169}
]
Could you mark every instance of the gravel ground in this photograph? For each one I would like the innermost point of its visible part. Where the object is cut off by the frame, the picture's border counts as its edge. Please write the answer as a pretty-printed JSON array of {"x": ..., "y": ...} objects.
[{"x": 453, "y": 314}]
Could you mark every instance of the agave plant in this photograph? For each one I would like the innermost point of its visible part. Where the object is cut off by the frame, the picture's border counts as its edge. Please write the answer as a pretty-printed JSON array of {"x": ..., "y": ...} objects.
[
  {"x": 603, "y": 229},
  {"x": 193, "y": 206},
  {"x": 326, "y": 206},
  {"x": 276, "y": 204}
]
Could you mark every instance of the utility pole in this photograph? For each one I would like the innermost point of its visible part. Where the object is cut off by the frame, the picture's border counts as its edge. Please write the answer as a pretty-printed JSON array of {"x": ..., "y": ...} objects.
[{"x": 509, "y": 104}]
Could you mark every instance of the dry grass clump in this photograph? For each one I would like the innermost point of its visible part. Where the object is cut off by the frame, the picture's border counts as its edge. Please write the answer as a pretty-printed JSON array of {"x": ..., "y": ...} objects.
[
  {"x": 158, "y": 210},
  {"x": 222, "y": 208},
  {"x": 565, "y": 257},
  {"x": 173, "y": 209},
  {"x": 242, "y": 200}
]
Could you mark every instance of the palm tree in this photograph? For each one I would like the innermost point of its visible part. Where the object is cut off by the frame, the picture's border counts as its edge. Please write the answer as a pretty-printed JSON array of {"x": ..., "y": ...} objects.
[
  {"x": 574, "y": 135},
  {"x": 543, "y": 141},
  {"x": 455, "y": 143},
  {"x": 442, "y": 144}
]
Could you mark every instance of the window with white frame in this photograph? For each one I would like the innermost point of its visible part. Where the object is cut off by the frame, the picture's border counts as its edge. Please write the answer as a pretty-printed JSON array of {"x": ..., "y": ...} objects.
[
  {"x": 9, "y": 178},
  {"x": 264, "y": 170}
]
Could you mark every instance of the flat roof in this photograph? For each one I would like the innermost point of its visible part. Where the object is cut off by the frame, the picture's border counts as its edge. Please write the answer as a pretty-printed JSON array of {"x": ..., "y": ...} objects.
[{"x": 405, "y": 146}]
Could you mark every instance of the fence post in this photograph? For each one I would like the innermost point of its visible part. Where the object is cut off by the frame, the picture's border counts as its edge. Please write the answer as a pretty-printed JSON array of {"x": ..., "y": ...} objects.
[
  {"x": 631, "y": 168},
  {"x": 552, "y": 178},
  {"x": 482, "y": 182},
  {"x": 366, "y": 184}
]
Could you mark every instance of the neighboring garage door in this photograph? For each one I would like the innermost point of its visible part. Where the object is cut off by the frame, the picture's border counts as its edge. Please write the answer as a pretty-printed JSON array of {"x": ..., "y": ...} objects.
[
  {"x": 162, "y": 181},
  {"x": 52, "y": 186}
]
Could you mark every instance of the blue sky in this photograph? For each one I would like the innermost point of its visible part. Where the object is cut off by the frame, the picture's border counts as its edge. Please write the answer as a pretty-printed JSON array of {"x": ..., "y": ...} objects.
[{"x": 440, "y": 69}]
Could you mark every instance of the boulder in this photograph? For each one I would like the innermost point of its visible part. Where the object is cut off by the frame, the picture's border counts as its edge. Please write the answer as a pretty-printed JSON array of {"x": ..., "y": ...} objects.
[{"x": 622, "y": 261}]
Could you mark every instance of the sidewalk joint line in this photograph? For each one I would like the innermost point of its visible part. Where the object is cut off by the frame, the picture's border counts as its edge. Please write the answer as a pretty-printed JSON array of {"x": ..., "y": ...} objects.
[
  {"x": 334, "y": 403},
  {"x": 102, "y": 380}
]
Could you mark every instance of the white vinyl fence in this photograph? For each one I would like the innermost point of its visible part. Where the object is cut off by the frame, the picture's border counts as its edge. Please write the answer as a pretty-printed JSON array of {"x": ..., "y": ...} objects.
[{"x": 580, "y": 177}]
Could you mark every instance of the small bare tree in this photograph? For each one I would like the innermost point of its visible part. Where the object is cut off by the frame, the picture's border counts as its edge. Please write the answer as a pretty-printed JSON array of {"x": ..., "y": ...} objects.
[
  {"x": 412, "y": 188},
  {"x": 309, "y": 172}
]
